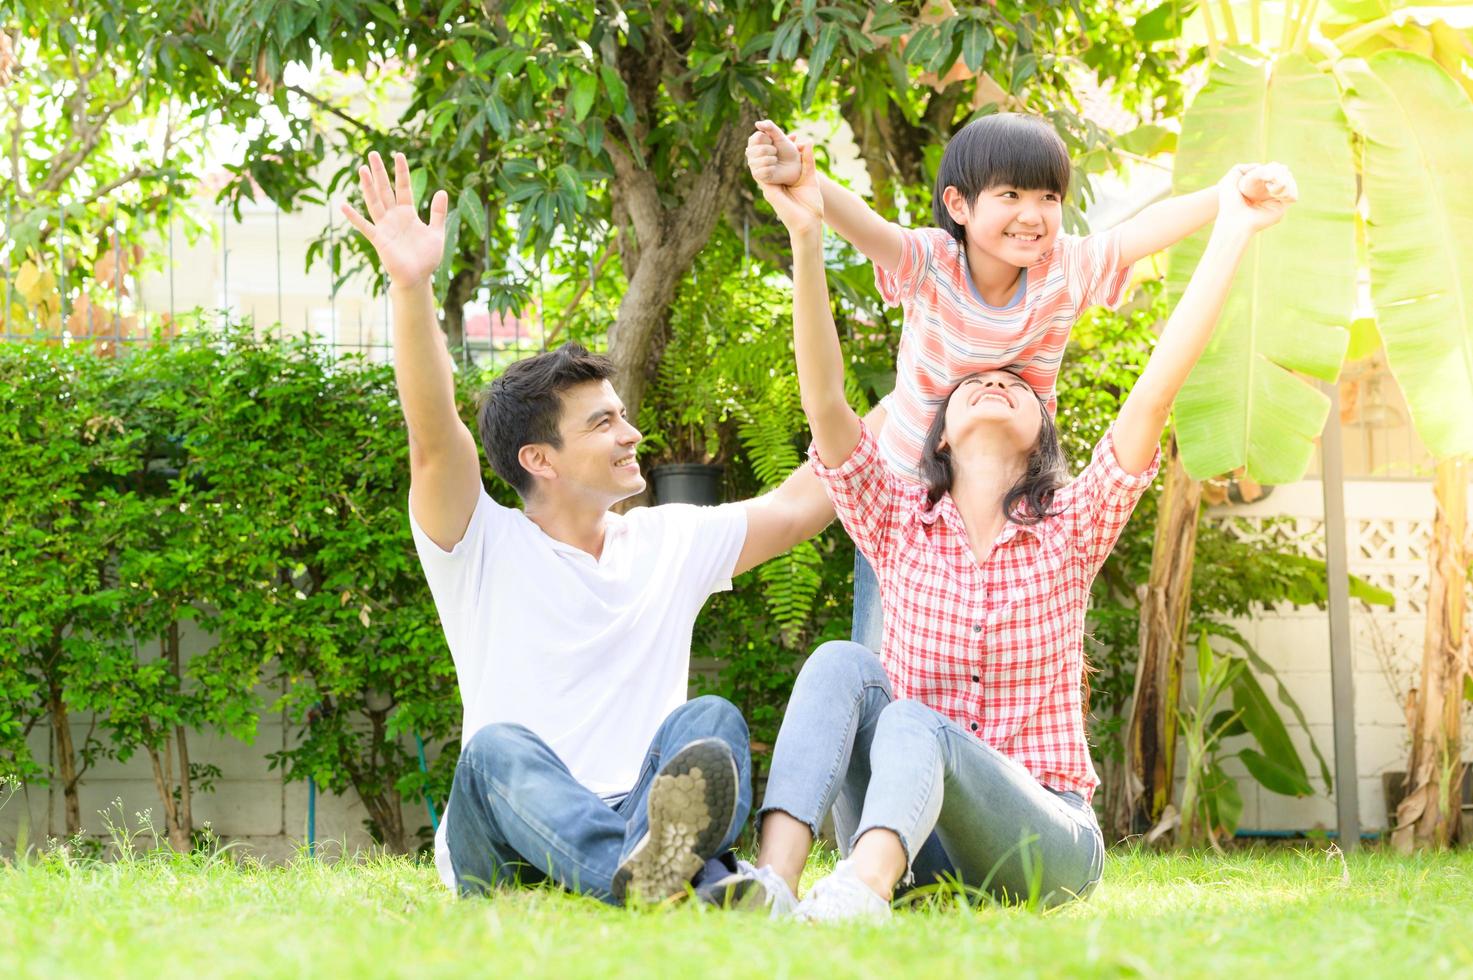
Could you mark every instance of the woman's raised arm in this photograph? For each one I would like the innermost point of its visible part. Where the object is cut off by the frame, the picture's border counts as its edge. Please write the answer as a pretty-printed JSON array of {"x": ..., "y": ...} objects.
[
  {"x": 815, "y": 338},
  {"x": 1138, "y": 428}
]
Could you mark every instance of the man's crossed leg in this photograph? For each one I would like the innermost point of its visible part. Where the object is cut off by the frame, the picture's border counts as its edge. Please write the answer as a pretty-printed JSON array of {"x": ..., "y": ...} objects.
[{"x": 520, "y": 816}]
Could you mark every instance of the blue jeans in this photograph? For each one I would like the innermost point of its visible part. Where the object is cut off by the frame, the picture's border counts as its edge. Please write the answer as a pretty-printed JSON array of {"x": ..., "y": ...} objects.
[
  {"x": 961, "y": 808},
  {"x": 517, "y": 815},
  {"x": 868, "y": 625}
]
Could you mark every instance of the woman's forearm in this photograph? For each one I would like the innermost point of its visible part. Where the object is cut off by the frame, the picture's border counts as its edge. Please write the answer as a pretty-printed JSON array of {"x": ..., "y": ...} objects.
[
  {"x": 1143, "y": 416},
  {"x": 819, "y": 356}
]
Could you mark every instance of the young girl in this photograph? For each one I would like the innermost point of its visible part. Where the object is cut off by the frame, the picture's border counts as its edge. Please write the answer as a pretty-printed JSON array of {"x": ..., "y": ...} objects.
[
  {"x": 961, "y": 751},
  {"x": 997, "y": 283}
]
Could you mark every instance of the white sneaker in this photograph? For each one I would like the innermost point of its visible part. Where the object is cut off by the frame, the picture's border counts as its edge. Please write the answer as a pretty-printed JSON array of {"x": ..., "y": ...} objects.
[
  {"x": 780, "y": 900},
  {"x": 842, "y": 897}
]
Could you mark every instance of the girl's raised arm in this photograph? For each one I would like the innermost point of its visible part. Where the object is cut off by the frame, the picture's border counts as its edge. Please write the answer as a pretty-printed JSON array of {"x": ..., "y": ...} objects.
[
  {"x": 815, "y": 338},
  {"x": 1138, "y": 428}
]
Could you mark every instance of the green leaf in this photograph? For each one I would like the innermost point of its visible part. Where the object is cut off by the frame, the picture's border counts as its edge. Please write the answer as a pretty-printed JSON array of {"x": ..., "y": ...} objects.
[
  {"x": 1147, "y": 140},
  {"x": 1226, "y": 725},
  {"x": 1365, "y": 339},
  {"x": 1418, "y": 129},
  {"x": 822, "y": 48},
  {"x": 463, "y": 53},
  {"x": 583, "y": 90},
  {"x": 1162, "y": 23},
  {"x": 383, "y": 13},
  {"x": 1264, "y": 668},
  {"x": 1275, "y": 776},
  {"x": 1372, "y": 595},
  {"x": 472, "y": 212},
  {"x": 1206, "y": 659},
  {"x": 1244, "y": 404},
  {"x": 1024, "y": 68},
  {"x": 1221, "y": 798},
  {"x": 452, "y": 239},
  {"x": 976, "y": 42},
  {"x": 1278, "y": 767},
  {"x": 614, "y": 85}
]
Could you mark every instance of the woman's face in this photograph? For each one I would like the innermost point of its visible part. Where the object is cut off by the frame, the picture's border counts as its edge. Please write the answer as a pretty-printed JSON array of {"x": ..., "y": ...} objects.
[{"x": 996, "y": 411}]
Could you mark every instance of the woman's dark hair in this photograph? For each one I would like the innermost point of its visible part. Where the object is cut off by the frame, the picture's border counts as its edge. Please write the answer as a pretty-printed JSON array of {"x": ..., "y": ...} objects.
[
  {"x": 1027, "y": 501},
  {"x": 523, "y": 405},
  {"x": 1004, "y": 148}
]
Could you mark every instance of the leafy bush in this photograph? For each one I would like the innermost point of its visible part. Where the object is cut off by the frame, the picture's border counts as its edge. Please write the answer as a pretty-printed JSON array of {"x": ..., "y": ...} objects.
[{"x": 251, "y": 485}]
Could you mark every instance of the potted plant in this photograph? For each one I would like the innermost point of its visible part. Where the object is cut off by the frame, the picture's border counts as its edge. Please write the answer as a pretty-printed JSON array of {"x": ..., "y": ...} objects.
[{"x": 685, "y": 410}]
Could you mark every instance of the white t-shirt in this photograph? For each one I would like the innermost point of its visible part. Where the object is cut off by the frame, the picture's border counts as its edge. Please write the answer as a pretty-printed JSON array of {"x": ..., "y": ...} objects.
[{"x": 590, "y": 654}]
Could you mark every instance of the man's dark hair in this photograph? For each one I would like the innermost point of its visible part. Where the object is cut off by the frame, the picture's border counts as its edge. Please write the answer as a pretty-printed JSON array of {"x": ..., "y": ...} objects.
[
  {"x": 523, "y": 405},
  {"x": 1005, "y": 148},
  {"x": 1027, "y": 501}
]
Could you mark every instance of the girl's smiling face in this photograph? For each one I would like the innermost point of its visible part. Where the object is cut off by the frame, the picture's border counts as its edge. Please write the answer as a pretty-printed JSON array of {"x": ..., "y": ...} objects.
[{"x": 1009, "y": 225}]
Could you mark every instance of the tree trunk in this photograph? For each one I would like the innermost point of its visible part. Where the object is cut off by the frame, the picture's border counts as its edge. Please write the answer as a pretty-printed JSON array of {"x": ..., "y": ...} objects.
[
  {"x": 162, "y": 769},
  {"x": 180, "y": 835},
  {"x": 462, "y": 290},
  {"x": 387, "y": 814},
  {"x": 1429, "y": 813},
  {"x": 66, "y": 758},
  {"x": 1151, "y": 735},
  {"x": 667, "y": 239},
  {"x": 174, "y": 797}
]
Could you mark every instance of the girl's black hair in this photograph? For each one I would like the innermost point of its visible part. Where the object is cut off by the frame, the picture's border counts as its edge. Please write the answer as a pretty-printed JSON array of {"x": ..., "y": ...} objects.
[
  {"x": 1004, "y": 148},
  {"x": 1027, "y": 501}
]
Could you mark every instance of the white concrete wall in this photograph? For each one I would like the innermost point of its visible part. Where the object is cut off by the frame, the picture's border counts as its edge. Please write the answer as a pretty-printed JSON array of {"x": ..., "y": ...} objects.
[{"x": 251, "y": 803}]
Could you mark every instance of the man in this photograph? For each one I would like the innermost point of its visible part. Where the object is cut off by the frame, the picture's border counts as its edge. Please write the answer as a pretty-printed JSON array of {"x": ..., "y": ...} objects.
[{"x": 569, "y": 625}]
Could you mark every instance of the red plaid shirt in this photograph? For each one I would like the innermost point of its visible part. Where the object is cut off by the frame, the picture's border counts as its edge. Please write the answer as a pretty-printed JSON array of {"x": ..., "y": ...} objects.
[{"x": 999, "y": 648}]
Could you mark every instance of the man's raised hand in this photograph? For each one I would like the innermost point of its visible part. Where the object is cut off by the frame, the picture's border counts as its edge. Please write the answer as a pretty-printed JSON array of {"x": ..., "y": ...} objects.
[{"x": 409, "y": 249}]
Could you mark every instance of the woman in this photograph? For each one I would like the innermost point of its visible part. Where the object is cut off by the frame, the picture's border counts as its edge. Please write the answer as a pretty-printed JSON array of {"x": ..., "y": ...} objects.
[{"x": 961, "y": 750}]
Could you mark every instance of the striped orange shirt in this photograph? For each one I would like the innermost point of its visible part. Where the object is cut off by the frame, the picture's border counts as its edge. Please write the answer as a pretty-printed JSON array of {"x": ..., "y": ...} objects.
[{"x": 950, "y": 333}]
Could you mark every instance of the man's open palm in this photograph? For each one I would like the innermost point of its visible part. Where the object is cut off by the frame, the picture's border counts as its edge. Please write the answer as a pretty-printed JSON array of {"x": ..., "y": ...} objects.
[{"x": 409, "y": 249}]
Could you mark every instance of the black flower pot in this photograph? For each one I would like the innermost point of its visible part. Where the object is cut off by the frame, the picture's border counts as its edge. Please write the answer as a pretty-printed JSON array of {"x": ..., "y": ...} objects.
[{"x": 687, "y": 483}]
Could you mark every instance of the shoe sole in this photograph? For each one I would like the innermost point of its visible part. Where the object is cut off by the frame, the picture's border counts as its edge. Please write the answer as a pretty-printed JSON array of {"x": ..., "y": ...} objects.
[{"x": 691, "y": 804}]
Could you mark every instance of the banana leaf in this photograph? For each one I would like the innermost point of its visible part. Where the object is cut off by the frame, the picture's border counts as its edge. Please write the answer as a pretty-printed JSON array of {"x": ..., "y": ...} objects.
[
  {"x": 1278, "y": 767},
  {"x": 1417, "y": 125},
  {"x": 1246, "y": 403}
]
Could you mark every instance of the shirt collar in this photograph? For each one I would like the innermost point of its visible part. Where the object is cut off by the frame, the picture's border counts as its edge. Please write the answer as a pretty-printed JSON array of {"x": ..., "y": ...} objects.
[{"x": 946, "y": 511}]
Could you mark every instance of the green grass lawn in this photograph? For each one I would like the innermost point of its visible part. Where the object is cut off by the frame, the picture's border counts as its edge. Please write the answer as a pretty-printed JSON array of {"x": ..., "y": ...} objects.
[{"x": 1252, "y": 914}]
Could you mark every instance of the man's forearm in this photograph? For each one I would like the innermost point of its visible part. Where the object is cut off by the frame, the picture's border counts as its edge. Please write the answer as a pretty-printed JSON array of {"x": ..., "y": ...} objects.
[{"x": 422, "y": 367}]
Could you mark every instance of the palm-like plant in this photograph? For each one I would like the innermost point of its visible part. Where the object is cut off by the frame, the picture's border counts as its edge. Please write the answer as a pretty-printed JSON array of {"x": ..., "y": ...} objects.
[{"x": 1382, "y": 139}]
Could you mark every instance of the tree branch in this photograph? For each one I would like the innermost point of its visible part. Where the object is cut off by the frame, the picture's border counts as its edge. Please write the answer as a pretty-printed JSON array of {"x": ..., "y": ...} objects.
[
  {"x": 17, "y": 175},
  {"x": 87, "y": 136},
  {"x": 582, "y": 290},
  {"x": 328, "y": 107}
]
